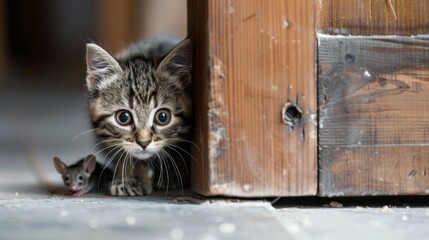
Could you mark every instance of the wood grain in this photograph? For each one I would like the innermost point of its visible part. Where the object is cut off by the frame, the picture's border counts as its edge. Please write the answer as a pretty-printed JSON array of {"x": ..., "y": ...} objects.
[
  {"x": 373, "y": 118},
  {"x": 118, "y": 23},
  {"x": 251, "y": 58},
  {"x": 373, "y": 17}
]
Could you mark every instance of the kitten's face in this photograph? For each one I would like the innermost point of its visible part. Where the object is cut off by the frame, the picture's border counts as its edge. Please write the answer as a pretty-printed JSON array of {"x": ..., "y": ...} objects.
[{"x": 140, "y": 105}]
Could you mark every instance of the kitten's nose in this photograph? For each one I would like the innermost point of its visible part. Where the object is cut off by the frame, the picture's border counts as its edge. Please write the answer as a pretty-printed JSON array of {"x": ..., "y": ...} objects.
[{"x": 144, "y": 144}]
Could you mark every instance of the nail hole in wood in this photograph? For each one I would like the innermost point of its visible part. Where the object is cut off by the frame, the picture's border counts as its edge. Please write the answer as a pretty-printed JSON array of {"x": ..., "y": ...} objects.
[
  {"x": 349, "y": 58},
  {"x": 291, "y": 115}
]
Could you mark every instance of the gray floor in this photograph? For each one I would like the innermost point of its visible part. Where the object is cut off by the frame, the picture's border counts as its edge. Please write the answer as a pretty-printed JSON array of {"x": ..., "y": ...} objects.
[{"x": 36, "y": 126}]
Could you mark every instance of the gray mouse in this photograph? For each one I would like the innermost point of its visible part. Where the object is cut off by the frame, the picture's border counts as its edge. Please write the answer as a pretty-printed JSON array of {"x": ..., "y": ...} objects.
[{"x": 84, "y": 175}]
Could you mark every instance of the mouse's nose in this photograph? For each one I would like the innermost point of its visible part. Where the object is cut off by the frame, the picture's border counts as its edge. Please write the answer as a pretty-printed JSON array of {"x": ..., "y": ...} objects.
[
  {"x": 144, "y": 144},
  {"x": 74, "y": 187}
]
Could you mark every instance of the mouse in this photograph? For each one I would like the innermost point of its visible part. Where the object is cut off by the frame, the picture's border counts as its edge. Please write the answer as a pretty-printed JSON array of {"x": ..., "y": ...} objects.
[{"x": 86, "y": 175}]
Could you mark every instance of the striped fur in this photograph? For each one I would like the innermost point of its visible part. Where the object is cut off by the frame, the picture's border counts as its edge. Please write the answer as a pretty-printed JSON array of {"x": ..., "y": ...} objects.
[{"x": 148, "y": 79}]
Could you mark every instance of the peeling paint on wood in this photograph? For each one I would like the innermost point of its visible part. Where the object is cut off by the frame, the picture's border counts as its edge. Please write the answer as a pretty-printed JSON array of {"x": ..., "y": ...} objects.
[{"x": 217, "y": 111}]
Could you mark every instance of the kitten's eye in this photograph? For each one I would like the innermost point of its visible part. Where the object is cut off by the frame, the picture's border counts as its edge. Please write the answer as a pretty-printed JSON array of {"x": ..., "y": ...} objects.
[
  {"x": 163, "y": 117},
  {"x": 66, "y": 179},
  {"x": 123, "y": 117},
  {"x": 80, "y": 178}
]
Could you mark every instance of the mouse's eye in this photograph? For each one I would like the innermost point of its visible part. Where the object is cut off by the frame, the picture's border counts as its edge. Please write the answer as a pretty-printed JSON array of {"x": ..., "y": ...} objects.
[
  {"x": 66, "y": 179},
  {"x": 80, "y": 178}
]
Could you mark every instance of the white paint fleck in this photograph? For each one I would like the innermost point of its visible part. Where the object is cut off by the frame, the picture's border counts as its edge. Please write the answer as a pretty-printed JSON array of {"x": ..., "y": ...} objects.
[
  {"x": 177, "y": 233},
  {"x": 404, "y": 218},
  {"x": 285, "y": 23},
  {"x": 359, "y": 143},
  {"x": 231, "y": 9},
  {"x": 221, "y": 188},
  {"x": 227, "y": 228},
  {"x": 131, "y": 221},
  {"x": 366, "y": 74},
  {"x": 93, "y": 224},
  {"x": 313, "y": 118},
  {"x": 247, "y": 187},
  {"x": 64, "y": 213}
]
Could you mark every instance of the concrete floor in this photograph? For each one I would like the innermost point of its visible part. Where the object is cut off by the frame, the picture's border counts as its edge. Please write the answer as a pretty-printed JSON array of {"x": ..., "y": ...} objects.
[{"x": 36, "y": 126}]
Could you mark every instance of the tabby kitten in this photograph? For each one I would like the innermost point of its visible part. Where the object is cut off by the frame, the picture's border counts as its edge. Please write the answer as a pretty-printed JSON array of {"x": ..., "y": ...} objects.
[{"x": 140, "y": 107}]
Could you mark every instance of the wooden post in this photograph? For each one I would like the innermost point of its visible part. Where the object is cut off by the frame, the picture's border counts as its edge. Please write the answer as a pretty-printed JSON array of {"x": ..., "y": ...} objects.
[
  {"x": 373, "y": 97},
  {"x": 254, "y": 63},
  {"x": 3, "y": 40}
]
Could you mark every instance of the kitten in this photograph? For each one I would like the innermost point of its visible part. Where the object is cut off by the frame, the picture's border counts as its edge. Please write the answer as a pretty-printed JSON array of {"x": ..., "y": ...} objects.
[{"x": 140, "y": 106}]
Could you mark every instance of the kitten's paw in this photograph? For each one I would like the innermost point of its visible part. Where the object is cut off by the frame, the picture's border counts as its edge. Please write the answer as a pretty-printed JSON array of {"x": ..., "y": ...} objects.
[
  {"x": 129, "y": 188},
  {"x": 147, "y": 187}
]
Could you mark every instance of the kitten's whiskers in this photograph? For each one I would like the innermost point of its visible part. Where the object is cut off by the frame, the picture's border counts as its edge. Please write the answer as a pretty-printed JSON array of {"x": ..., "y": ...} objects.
[
  {"x": 176, "y": 169},
  {"x": 82, "y": 133}
]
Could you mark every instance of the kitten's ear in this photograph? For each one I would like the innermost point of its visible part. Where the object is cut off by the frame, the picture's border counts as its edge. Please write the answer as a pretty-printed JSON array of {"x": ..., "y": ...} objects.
[
  {"x": 178, "y": 61},
  {"x": 101, "y": 68},
  {"x": 60, "y": 166},
  {"x": 89, "y": 163}
]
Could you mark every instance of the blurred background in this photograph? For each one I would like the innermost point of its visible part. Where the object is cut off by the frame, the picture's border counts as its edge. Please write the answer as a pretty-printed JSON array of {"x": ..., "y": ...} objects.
[{"x": 42, "y": 73}]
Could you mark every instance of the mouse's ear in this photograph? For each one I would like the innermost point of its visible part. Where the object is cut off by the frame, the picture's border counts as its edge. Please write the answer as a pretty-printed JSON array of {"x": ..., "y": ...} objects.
[
  {"x": 60, "y": 166},
  {"x": 89, "y": 163}
]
